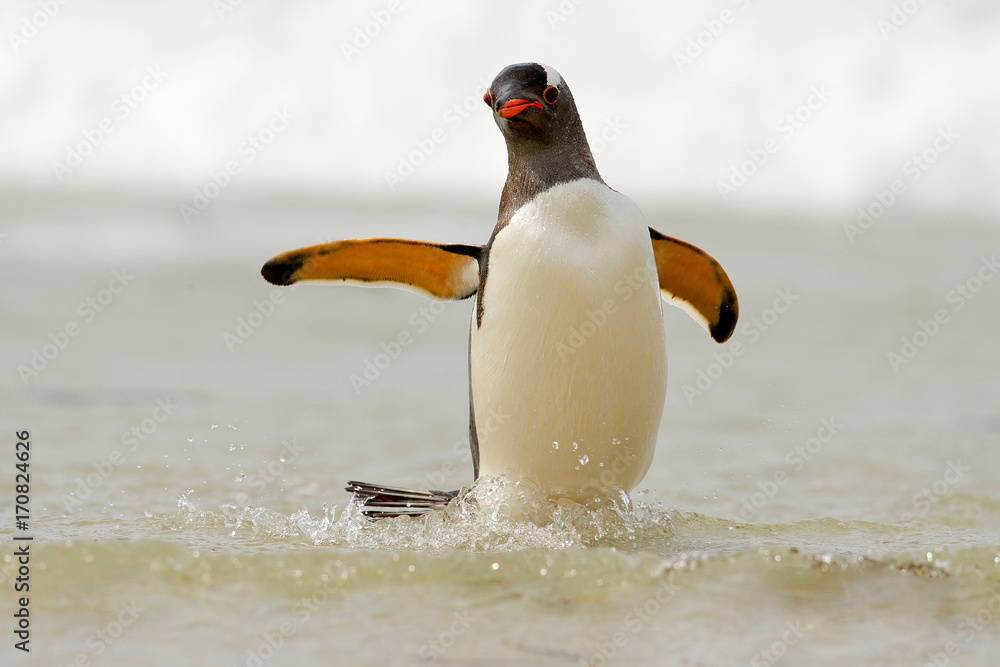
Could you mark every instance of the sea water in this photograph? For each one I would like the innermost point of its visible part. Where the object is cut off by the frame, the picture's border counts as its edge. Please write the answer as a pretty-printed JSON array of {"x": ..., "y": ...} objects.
[{"x": 823, "y": 492}]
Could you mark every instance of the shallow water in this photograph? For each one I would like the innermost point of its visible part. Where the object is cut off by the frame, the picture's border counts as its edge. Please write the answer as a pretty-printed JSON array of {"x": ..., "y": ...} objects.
[{"x": 809, "y": 503}]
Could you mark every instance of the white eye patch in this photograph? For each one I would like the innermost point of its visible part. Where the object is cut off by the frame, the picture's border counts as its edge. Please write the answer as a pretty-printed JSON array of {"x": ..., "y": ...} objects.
[{"x": 552, "y": 77}]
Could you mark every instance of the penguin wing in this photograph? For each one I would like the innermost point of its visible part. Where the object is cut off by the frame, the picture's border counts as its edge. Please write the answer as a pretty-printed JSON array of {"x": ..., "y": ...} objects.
[
  {"x": 693, "y": 280},
  {"x": 436, "y": 270}
]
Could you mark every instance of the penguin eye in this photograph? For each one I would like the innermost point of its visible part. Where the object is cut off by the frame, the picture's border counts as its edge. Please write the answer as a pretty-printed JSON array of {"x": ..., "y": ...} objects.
[
  {"x": 550, "y": 94},
  {"x": 488, "y": 99}
]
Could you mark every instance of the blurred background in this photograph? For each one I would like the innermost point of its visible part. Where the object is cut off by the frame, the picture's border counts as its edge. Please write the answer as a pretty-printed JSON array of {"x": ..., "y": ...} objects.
[{"x": 140, "y": 103}]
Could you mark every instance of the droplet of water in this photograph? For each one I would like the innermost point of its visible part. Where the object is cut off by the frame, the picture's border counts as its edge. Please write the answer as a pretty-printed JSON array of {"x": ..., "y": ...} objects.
[
  {"x": 215, "y": 426},
  {"x": 555, "y": 445},
  {"x": 584, "y": 460},
  {"x": 495, "y": 566},
  {"x": 232, "y": 447},
  {"x": 575, "y": 446}
]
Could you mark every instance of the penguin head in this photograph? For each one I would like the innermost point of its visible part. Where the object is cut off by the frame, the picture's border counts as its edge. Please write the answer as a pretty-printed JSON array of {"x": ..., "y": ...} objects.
[{"x": 533, "y": 105}]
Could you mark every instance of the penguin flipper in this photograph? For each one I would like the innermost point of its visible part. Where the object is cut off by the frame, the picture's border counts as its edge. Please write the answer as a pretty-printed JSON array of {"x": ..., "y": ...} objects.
[
  {"x": 692, "y": 280},
  {"x": 437, "y": 270}
]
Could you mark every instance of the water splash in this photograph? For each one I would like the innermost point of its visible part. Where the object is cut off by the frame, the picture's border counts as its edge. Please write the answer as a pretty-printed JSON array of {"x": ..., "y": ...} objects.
[{"x": 493, "y": 516}]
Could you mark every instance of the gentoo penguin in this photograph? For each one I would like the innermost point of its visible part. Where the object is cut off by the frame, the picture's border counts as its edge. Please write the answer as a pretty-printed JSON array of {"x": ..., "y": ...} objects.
[{"x": 567, "y": 361}]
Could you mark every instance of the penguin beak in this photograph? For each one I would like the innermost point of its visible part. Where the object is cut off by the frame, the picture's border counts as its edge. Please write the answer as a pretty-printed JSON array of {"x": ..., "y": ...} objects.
[{"x": 513, "y": 107}]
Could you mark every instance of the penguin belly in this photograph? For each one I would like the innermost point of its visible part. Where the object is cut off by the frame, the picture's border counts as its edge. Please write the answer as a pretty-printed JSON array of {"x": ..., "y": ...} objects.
[{"x": 568, "y": 367}]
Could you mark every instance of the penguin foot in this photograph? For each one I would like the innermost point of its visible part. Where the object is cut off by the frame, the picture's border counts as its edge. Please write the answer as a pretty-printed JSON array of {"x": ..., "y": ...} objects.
[{"x": 382, "y": 502}]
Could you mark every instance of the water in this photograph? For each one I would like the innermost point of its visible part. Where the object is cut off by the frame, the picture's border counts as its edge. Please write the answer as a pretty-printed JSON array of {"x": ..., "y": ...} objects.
[{"x": 808, "y": 504}]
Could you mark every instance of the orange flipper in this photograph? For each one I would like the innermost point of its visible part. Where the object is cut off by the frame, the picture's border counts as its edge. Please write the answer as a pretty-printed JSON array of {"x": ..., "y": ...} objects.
[
  {"x": 694, "y": 281},
  {"x": 437, "y": 270}
]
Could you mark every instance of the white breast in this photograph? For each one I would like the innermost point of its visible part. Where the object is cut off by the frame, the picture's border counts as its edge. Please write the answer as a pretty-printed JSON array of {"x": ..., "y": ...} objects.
[{"x": 568, "y": 369}]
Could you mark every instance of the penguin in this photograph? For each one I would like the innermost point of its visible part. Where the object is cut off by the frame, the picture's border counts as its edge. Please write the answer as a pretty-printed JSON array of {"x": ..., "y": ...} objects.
[{"x": 567, "y": 353}]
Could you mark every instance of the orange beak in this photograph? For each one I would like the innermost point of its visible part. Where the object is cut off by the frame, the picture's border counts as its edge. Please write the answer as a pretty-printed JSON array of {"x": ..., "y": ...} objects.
[{"x": 514, "y": 107}]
